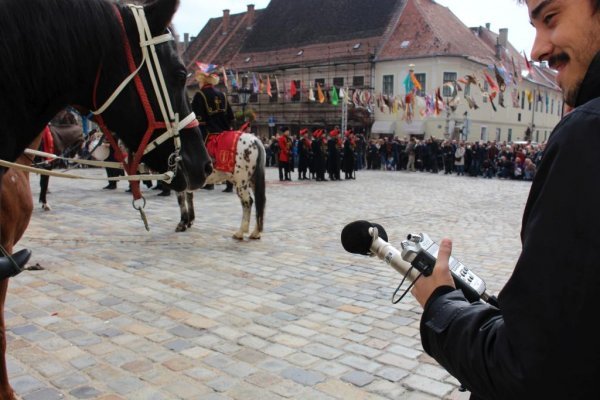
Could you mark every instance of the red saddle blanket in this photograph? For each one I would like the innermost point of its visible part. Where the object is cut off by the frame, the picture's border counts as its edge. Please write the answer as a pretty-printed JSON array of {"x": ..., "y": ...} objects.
[{"x": 222, "y": 148}]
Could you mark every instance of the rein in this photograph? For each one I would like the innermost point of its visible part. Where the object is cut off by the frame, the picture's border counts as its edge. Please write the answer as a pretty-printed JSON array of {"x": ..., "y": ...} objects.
[{"x": 174, "y": 125}]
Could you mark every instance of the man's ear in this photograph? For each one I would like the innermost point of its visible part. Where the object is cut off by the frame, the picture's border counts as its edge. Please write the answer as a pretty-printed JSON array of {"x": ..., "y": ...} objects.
[{"x": 159, "y": 14}]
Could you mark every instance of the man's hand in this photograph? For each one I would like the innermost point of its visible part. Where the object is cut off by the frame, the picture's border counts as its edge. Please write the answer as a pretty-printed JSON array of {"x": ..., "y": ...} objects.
[{"x": 441, "y": 276}]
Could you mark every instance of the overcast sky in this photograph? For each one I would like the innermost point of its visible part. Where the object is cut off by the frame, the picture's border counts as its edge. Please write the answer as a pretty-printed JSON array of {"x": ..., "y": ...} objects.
[{"x": 193, "y": 15}]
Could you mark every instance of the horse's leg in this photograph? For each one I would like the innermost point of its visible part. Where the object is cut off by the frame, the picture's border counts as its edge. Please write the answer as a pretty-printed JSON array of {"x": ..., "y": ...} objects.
[
  {"x": 183, "y": 208},
  {"x": 44, "y": 180},
  {"x": 6, "y": 391},
  {"x": 257, "y": 182},
  {"x": 190, "y": 208},
  {"x": 243, "y": 192}
]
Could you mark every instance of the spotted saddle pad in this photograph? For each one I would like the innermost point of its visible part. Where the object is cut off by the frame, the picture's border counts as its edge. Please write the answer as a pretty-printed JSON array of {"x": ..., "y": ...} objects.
[{"x": 222, "y": 148}]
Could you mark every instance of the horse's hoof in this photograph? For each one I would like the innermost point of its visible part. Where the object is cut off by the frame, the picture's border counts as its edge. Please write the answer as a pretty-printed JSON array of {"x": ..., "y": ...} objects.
[
  {"x": 237, "y": 236},
  {"x": 254, "y": 237},
  {"x": 181, "y": 228},
  {"x": 46, "y": 207}
]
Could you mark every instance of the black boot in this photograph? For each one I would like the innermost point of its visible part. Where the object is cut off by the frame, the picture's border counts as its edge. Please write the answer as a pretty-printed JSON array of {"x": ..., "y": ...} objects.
[
  {"x": 13, "y": 266},
  {"x": 209, "y": 187},
  {"x": 228, "y": 187}
]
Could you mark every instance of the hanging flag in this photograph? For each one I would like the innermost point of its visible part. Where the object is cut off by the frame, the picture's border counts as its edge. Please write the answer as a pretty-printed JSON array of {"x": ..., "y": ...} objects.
[
  {"x": 234, "y": 83},
  {"x": 293, "y": 90},
  {"x": 261, "y": 83},
  {"x": 342, "y": 94},
  {"x": 311, "y": 94},
  {"x": 527, "y": 63},
  {"x": 334, "y": 96},
  {"x": 499, "y": 79},
  {"x": 225, "y": 82},
  {"x": 491, "y": 82},
  {"x": 408, "y": 85},
  {"x": 414, "y": 80},
  {"x": 269, "y": 86},
  {"x": 320, "y": 94},
  {"x": 237, "y": 78},
  {"x": 529, "y": 95},
  {"x": 277, "y": 84},
  {"x": 254, "y": 83},
  {"x": 207, "y": 68}
]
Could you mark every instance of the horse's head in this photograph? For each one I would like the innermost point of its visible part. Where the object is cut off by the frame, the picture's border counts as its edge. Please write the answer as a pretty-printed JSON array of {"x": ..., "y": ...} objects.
[{"x": 152, "y": 114}]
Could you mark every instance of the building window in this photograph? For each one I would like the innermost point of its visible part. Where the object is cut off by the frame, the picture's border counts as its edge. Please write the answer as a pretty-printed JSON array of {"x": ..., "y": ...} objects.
[
  {"x": 545, "y": 135},
  {"x": 559, "y": 108},
  {"x": 498, "y": 134},
  {"x": 522, "y": 100},
  {"x": 422, "y": 79},
  {"x": 448, "y": 77},
  {"x": 552, "y": 107},
  {"x": 388, "y": 85},
  {"x": 519, "y": 117},
  {"x": 484, "y": 134},
  {"x": 338, "y": 82},
  {"x": 510, "y": 134},
  {"x": 358, "y": 81},
  {"x": 486, "y": 88}
]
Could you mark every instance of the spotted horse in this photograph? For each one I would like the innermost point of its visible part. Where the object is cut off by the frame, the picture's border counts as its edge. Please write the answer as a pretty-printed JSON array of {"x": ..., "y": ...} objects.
[{"x": 240, "y": 159}]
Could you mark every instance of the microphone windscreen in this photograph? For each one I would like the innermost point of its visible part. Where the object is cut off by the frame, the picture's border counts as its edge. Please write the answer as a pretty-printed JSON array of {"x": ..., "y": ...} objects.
[{"x": 356, "y": 238}]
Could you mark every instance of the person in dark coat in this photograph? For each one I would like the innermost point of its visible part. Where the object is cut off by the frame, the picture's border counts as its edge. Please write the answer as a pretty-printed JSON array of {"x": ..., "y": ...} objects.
[
  {"x": 540, "y": 341},
  {"x": 333, "y": 155},
  {"x": 318, "y": 155},
  {"x": 212, "y": 110},
  {"x": 303, "y": 154},
  {"x": 349, "y": 155}
]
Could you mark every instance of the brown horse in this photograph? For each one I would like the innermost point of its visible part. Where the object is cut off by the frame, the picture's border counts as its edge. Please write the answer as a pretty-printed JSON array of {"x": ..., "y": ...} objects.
[{"x": 16, "y": 206}]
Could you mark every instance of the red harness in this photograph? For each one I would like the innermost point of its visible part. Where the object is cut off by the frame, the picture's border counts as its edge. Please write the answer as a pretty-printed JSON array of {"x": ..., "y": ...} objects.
[{"x": 131, "y": 166}]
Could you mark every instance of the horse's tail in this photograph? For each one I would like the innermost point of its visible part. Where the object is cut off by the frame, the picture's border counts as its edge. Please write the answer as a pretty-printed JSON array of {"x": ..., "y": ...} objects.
[{"x": 260, "y": 197}]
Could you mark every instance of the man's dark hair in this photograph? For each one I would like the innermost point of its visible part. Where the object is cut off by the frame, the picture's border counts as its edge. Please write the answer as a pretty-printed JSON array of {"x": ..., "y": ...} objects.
[{"x": 596, "y": 6}]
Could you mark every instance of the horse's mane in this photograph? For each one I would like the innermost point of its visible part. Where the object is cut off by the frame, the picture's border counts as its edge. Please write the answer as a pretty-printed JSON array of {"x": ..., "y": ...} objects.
[{"x": 50, "y": 39}]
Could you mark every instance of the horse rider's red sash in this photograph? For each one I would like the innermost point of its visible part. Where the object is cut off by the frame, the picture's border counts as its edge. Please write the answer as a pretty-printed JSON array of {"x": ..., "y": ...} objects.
[{"x": 222, "y": 148}]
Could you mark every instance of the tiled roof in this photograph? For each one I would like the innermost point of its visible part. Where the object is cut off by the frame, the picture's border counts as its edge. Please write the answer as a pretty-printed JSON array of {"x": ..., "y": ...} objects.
[
  {"x": 426, "y": 28},
  {"x": 296, "y": 23}
]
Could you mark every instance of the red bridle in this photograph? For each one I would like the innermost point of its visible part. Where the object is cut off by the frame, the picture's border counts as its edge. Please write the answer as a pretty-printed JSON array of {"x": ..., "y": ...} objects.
[{"x": 172, "y": 130}]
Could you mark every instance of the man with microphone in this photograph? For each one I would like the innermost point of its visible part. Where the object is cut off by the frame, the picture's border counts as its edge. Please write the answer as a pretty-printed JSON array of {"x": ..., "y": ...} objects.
[{"x": 541, "y": 342}]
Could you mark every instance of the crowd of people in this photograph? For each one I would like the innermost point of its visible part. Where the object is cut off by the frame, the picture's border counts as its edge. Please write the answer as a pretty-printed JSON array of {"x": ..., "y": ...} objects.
[
  {"x": 319, "y": 152},
  {"x": 315, "y": 154}
]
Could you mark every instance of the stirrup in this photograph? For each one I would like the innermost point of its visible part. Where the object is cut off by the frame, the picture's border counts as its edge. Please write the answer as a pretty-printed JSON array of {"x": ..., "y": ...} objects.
[{"x": 13, "y": 265}]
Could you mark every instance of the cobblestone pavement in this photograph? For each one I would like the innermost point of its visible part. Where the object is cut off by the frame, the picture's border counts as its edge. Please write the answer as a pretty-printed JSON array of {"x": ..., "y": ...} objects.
[{"x": 121, "y": 313}]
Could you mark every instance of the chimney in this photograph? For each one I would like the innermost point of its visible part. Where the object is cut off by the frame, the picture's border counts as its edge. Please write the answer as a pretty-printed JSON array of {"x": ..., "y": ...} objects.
[
  {"x": 503, "y": 37},
  {"x": 186, "y": 40},
  {"x": 487, "y": 26},
  {"x": 250, "y": 16},
  {"x": 225, "y": 22}
]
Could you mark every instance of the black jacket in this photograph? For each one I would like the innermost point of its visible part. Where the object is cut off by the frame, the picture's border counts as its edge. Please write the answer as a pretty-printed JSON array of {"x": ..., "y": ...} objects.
[{"x": 542, "y": 343}]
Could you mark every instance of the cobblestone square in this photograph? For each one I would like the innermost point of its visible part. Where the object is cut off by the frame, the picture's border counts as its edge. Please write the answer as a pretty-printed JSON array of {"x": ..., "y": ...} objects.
[{"x": 121, "y": 313}]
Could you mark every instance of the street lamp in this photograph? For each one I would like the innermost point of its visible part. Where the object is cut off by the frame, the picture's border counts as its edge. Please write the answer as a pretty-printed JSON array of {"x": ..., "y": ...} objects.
[{"x": 244, "y": 95}]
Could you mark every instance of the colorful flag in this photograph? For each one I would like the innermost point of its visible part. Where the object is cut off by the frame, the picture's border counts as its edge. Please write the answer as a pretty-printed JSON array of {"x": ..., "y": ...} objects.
[
  {"x": 414, "y": 80},
  {"x": 225, "y": 82},
  {"x": 491, "y": 82},
  {"x": 527, "y": 63},
  {"x": 254, "y": 83},
  {"x": 293, "y": 90},
  {"x": 334, "y": 96},
  {"x": 320, "y": 94},
  {"x": 207, "y": 68},
  {"x": 408, "y": 85},
  {"x": 269, "y": 86}
]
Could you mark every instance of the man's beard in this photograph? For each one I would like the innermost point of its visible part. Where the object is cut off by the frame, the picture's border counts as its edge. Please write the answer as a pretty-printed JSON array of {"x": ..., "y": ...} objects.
[{"x": 570, "y": 95}]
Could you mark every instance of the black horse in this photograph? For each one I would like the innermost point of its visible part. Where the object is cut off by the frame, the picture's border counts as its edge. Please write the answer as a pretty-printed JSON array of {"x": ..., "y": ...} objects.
[{"x": 73, "y": 52}]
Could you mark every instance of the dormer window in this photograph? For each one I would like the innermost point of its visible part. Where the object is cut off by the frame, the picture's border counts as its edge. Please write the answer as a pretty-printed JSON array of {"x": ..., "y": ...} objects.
[
  {"x": 356, "y": 46},
  {"x": 248, "y": 59},
  {"x": 300, "y": 53},
  {"x": 404, "y": 44}
]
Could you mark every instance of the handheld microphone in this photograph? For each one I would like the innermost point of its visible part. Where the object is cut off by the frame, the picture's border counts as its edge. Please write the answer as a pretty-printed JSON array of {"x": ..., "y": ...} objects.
[
  {"x": 418, "y": 256},
  {"x": 370, "y": 239}
]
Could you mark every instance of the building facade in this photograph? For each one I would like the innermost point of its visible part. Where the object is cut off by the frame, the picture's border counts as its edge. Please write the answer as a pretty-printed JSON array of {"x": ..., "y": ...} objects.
[{"x": 326, "y": 63}]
